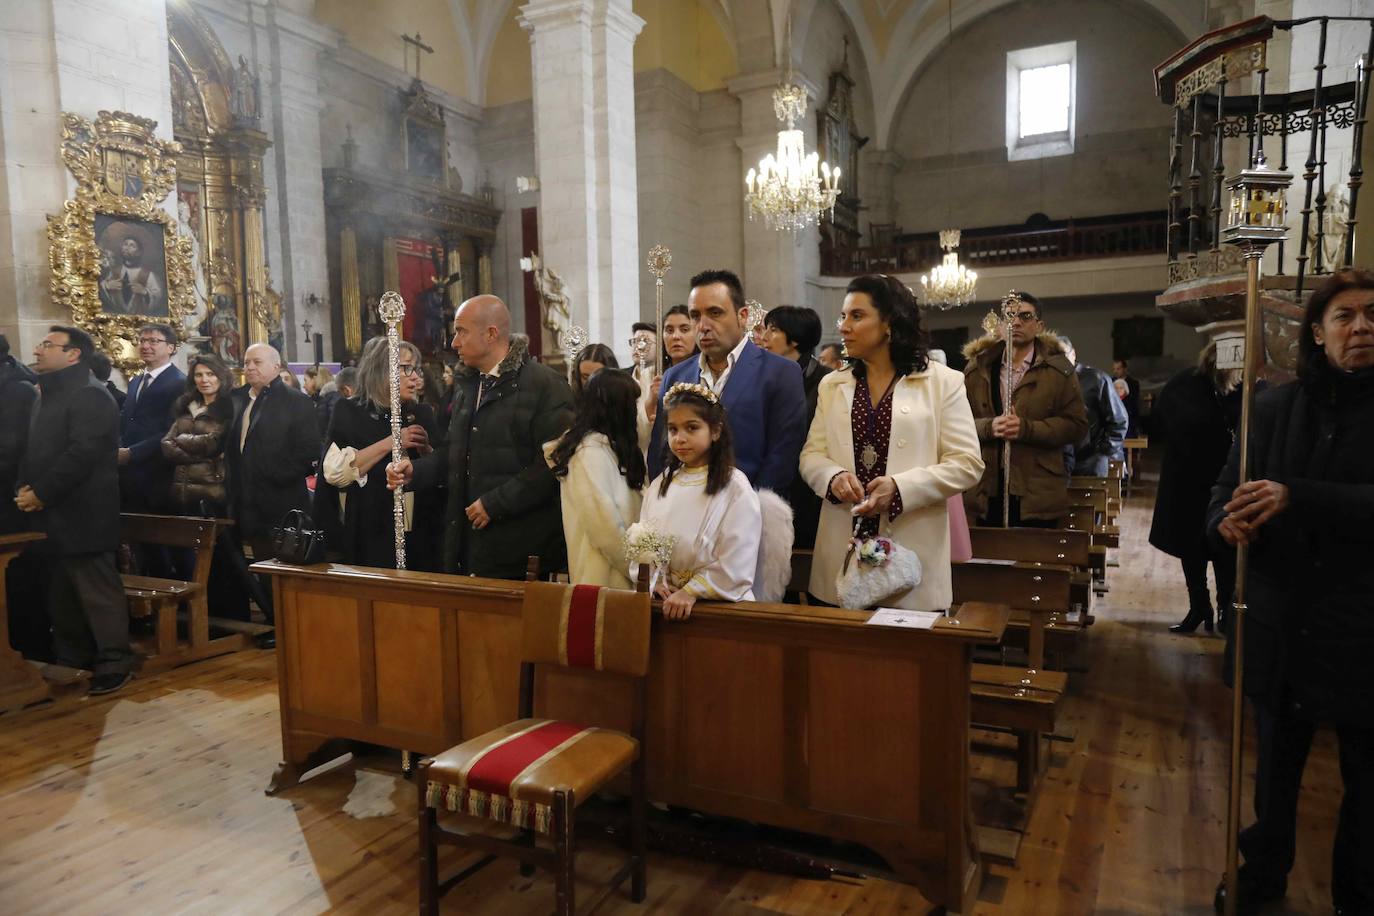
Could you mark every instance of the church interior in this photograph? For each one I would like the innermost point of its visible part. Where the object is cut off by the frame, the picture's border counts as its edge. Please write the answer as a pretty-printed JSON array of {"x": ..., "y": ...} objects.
[{"x": 1156, "y": 182}]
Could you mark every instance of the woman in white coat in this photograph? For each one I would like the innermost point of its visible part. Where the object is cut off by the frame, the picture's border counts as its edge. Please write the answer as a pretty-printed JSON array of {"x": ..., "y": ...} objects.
[
  {"x": 892, "y": 439},
  {"x": 601, "y": 471}
]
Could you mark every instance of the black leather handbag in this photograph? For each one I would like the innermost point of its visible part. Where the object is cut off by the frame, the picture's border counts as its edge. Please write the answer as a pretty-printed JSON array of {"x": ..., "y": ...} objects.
[{"x": 298, "y": 541}]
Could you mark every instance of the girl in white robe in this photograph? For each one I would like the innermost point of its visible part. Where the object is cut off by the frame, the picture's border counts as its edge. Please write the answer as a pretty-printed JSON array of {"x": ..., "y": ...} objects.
[
  {"x": 601, "y": 472},
  {"x": 706, "y": 504}
]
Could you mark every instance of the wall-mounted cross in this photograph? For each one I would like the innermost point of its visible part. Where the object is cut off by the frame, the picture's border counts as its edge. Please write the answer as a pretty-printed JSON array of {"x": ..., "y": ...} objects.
[
  {"x": 307, "y": 326},
  {"x": 419, "y": 45}
]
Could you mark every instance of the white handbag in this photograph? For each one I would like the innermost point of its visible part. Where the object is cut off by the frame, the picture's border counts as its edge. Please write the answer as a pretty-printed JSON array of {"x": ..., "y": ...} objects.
[{"x": 862, "y": 583}]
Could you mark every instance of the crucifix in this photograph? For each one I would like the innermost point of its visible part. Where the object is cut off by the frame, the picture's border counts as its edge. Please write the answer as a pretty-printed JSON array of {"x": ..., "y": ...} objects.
[
  {"x": 307, "y": 326},
  {"x": 419, "y": 45}
]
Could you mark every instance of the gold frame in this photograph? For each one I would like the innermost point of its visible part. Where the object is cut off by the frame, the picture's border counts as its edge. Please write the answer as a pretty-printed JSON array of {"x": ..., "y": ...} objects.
[{"x": 118, "y": 145}]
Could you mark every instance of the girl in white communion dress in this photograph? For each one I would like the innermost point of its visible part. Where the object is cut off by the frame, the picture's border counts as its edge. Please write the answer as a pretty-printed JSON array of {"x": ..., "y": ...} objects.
[{"x": 706, "y": 504}]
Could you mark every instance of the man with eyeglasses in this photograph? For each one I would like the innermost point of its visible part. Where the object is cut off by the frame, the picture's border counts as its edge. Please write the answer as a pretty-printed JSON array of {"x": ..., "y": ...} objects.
[
  {"x": 146, "y": 477},
  {"x": 68, "y": 487},
  {"x": 1045, "y": 414}
]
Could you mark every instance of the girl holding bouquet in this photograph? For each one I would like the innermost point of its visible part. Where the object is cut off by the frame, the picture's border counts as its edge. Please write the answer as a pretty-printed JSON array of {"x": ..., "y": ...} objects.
[{"x": 705, "y": 505}]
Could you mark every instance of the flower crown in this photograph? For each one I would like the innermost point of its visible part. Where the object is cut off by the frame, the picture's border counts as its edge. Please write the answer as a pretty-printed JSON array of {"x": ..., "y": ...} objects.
[{"x": 697, "y": 389}]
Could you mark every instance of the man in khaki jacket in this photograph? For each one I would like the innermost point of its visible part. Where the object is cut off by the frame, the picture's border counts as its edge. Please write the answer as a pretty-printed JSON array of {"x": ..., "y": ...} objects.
[{"x": 1047, "y": 414}]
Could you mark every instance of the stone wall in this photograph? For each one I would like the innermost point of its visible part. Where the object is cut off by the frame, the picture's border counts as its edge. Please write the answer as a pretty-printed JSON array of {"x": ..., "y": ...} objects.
[{"x": 82, "y": 56}]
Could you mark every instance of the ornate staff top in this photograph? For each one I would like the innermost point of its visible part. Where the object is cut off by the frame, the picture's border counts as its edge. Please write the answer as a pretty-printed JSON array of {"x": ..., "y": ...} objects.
[
  {"x": 392, "y": 308},
  {"x": 660, "y": 260}
]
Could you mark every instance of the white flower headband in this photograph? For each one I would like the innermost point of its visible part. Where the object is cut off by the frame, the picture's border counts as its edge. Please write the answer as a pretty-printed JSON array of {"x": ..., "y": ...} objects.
[{"x": 699, "y": 390}]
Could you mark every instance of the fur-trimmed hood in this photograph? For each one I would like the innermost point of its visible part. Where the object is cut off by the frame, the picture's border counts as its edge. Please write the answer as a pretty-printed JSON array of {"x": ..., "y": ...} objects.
[
  {"x": 1049, "y": 350},
  {"x": 515, "y": 358}
]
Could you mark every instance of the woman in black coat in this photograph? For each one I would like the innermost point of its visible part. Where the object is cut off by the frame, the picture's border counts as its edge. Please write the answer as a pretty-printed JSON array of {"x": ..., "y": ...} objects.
[
  {"x": 357, "y": 449},
  {"x": 1308, "y": 515},
  {"x": 1196, "y": 415},
  {"x": 794, "y": 332}
]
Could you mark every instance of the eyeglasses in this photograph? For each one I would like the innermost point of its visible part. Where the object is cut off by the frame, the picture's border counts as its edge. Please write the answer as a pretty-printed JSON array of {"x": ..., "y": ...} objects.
[
  {"x": 1026, "y": 316},
  {"x": 408, "y": 370},
  {"x": 153, "y": 340},
  {"x": 48, "y": 345}
]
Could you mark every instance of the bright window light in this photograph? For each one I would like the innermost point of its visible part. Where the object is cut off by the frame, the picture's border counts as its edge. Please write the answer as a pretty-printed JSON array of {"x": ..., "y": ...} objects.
[{"x": 1046, "y": 95}]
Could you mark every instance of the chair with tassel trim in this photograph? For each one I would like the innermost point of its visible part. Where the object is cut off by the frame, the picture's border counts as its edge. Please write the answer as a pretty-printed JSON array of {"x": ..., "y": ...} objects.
[{"x": 532, "y": 774}]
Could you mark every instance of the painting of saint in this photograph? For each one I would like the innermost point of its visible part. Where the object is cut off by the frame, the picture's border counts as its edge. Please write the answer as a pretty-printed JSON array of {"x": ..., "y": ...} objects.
[
  {"x": 133, "y": 267},
  {"x": 224, "y": 330}
]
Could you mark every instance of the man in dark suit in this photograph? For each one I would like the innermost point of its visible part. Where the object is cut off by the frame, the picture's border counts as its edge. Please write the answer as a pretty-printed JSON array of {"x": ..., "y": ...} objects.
[
  {"x": 67, "y": 485},
  {"x": 764, "y": 400},
  {"x": 145, "y": 476},
  {"x": 272, "y": 448}
]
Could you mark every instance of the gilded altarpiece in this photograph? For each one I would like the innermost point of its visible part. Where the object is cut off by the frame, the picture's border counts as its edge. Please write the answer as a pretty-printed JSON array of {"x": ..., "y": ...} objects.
[
  {"x": 216, "y": 117},
  {"x": 405, "y": 224}
]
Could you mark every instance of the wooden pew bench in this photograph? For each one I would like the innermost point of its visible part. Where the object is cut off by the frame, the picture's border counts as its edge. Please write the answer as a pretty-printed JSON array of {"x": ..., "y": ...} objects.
[
  {"x": 1021, "y": 700},
  {"x": 764, "y": 712},
  {"x": 1055, "y": 547},
  {"x": 162, "y": 599}
]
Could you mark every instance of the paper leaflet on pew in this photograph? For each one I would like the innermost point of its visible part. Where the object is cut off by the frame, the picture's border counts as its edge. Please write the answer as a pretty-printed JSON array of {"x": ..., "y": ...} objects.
[{"x": 907, "y": 620}]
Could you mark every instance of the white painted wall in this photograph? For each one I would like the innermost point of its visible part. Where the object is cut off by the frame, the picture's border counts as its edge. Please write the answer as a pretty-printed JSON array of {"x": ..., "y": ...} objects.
[{"x": 951, "y": 130}]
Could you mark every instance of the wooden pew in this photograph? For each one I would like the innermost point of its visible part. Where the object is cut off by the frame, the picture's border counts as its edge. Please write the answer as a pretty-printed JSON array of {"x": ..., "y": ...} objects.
[
  {"x": 161, "y": 599},
  {"x": 801, "y": 718},
  {"x": 20, "y": 683},
  {"x": 1022, "y": 700},
  {"x": 1056, "y": 547}
]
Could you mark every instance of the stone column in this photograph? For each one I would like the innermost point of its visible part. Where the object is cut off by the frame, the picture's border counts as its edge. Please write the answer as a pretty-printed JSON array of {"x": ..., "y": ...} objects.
[
  {"x": 584, "y": 126},
  {"x": 56, "y": 56},
  {"x": 776, "y": 264},
  {"x": 289, "y": 48}
]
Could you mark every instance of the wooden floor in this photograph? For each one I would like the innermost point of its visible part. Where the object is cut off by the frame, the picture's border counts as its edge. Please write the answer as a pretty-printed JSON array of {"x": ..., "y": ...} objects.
[{"x": 151, "y": 801}]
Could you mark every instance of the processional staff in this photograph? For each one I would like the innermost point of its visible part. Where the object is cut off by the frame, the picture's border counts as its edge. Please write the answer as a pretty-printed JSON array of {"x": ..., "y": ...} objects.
[
  {"x": 1000, "y": 324},
  {"x": 1256, "y": 217},
  {"x": 391, "y": 311},
  {"x": 660, "y": 261}
]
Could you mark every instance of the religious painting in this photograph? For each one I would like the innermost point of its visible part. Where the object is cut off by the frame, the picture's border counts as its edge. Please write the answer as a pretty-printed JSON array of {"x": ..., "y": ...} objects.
[
  {"x": 424, "y": 135},
  {"x": 425, "y": 150},
  {"x": 133, "y": 266},
  {"x": 116, "y": 255}
]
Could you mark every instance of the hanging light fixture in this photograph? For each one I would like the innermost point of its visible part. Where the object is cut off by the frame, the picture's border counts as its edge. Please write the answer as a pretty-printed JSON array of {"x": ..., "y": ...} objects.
[
  {"x": 791, "y": 189},
  {"x": 949, "y": 283}
]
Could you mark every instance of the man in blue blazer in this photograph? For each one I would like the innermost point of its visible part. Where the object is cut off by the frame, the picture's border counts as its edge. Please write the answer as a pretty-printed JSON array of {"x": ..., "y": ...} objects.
[
  {"x": 145, "y": 477},
  {"x": 765, "y": 404}
]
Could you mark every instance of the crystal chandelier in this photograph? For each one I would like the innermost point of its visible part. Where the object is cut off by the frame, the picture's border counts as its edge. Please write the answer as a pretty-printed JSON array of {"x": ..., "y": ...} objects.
[
  {"x": 792, "y": 188},
  {"x": 949, "y": 284}
]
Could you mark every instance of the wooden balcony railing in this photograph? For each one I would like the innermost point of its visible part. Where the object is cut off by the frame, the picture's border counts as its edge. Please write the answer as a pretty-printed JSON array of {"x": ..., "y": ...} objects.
[{"x": 1047, "y": 242}]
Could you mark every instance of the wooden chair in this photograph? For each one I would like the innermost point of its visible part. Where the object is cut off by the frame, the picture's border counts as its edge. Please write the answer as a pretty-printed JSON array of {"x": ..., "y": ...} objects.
[{"x": 533, "y": 773}]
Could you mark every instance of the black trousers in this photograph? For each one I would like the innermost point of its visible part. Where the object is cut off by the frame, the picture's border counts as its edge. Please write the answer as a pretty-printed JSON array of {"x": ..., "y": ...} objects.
[
  {"x": 1270, "y": 843},
  {"x": 1223, "y": 569},
  {"x": 90, "y": 616}
]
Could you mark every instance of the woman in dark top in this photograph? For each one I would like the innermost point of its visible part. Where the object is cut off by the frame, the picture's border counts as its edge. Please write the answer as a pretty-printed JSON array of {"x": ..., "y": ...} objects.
[
  {"x": 1307, "y": 515},
  {"x": 1196, "y": 415},
  {"x": 202, "y": 418},
  {"x": 794, "y": 332},
  {"x": 358, "y": 448}
]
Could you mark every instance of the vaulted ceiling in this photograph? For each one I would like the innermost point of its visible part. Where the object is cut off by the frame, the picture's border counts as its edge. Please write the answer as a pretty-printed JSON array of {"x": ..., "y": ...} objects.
[{"x": 895, "y": 38}]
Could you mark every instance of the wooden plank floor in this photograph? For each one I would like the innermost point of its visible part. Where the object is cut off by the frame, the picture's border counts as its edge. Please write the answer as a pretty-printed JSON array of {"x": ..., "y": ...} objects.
[{"x": 151, "y": 801}]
